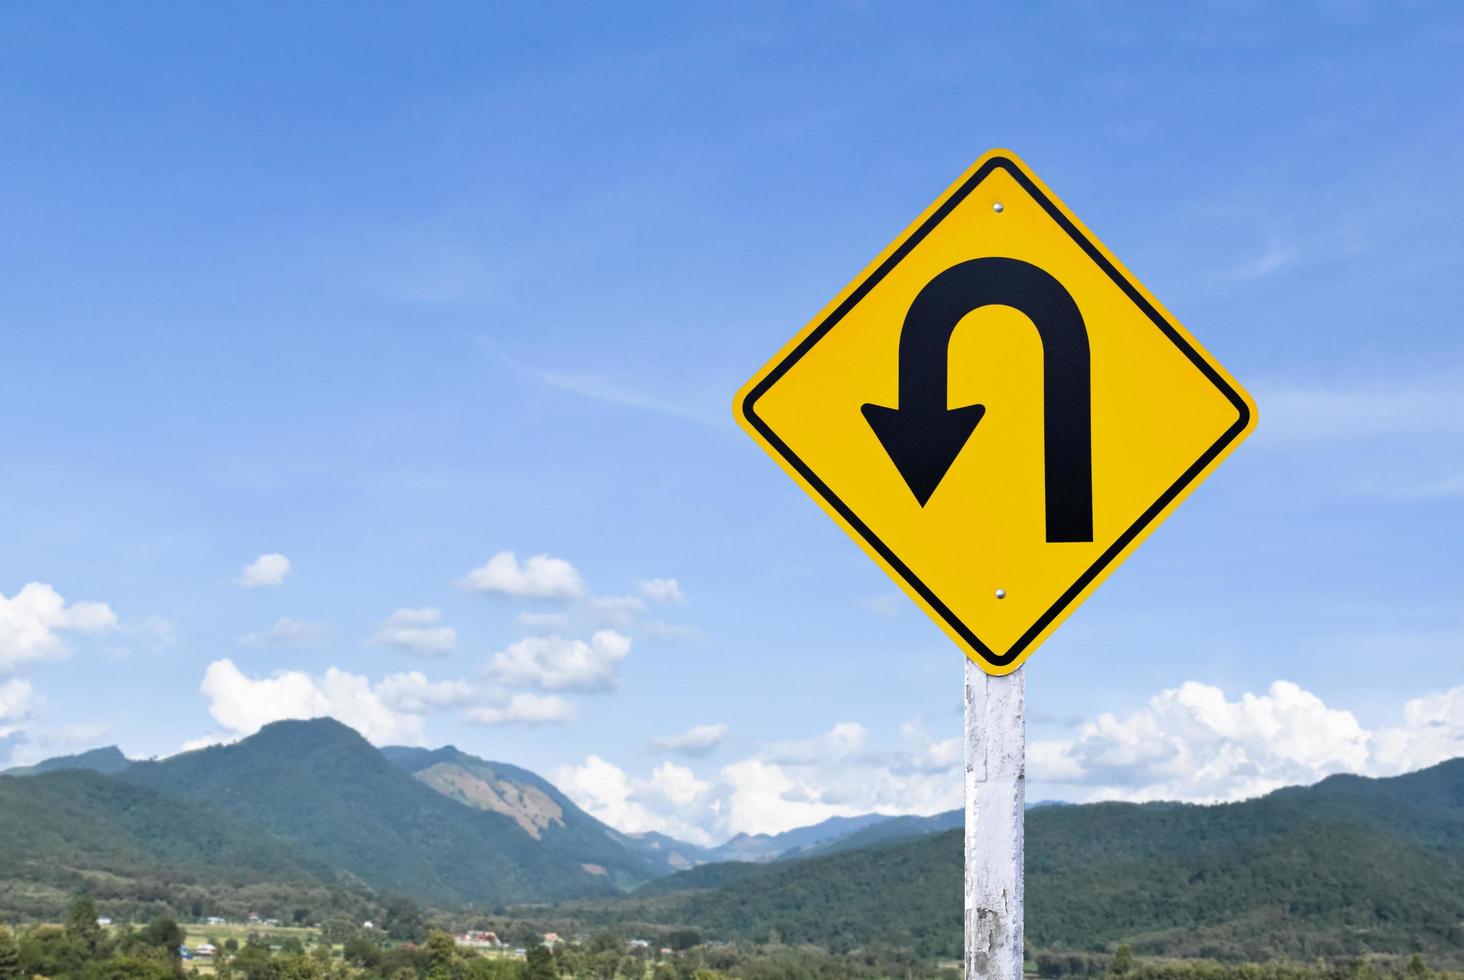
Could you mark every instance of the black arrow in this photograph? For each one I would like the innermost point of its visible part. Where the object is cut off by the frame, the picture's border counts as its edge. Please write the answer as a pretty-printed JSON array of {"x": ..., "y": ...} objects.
[{"x": 923, "y": 436}]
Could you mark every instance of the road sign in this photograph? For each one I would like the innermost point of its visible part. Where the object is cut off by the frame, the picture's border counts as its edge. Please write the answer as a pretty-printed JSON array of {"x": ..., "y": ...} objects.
[{"x": 996, "y": 411}]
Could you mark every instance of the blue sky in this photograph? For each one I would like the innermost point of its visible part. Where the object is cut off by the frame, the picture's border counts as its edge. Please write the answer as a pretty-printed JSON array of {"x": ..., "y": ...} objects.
[{"x": 390, "y": 292}]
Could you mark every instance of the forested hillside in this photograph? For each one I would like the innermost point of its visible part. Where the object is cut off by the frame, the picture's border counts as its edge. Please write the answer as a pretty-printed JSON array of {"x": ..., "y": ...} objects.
[
  {"x": 1344, "y": 868},
  {"x": 326, "y": 790},
  {"x": 71, "y": 832},
  {"x": 312, "y": 811}
]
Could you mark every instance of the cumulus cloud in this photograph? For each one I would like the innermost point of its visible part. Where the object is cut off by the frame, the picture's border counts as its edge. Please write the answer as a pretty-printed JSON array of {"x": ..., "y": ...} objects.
[
  {"x": 32, "y": 621},
  {"x": 698, "y": 740},
  {"x": 607, "y": 793},
  {"x": 836, "y": 744},
  {"x": 785, "y": 785},
  {"x": 525, "y": 709},
  {"x": 677, "y": 784},
  {"x": 413, "y": 692},
  {"x": 557, "y": 664},
  {"x": 265, "y": 572},
  {"x": 1432, "y": 731},
  {"x": 17, "y": 700},
  {"x": 1192, "y": 743},
  {"x": 539, "y": 577},
  {"x": 241, "y": 704},
  {"x": 417, "y": 631},
  {"x": 661, "y": 589}
]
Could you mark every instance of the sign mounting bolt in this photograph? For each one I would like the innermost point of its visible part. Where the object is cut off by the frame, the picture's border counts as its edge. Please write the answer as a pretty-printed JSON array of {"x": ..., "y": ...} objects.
[
  {"x": 998, "y": 207},
  {"x": 1001, "y": 593}
]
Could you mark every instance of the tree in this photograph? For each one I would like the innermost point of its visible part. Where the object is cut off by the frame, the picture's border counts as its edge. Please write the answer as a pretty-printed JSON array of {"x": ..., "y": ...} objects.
[
  {"x": 9, "y": 956},
  {"x": 81, "y": 924},
  {"x": 1123, "y": 960},
  {"x": 360, "y": 951},
  {"x": 441, "y": 956},
  {"x": 403, "y": 920},
  {"x": 337, "y": 931},
  {"x": 1417, "y": 967},
  {"x": 164, "y": 933},
  {"x": 540, "y": 965}
]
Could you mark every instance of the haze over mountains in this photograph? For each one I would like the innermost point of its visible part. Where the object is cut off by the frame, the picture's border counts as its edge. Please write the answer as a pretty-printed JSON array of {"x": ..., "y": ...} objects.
[{"x": 309, "y": 812}]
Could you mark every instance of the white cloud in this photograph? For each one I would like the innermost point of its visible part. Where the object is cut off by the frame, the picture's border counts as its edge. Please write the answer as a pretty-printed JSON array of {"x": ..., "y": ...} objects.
[
  {"x": 661, "y": 589},
  {"x": 698, "y": 740},
  {"x": 607, "y": 793},
  {"x": 1191, "y": 743},
  {"x": 604, "y": 790},
  {"x": 766, "y": 798},
  {"x": 556, "y": 664},
  {"x": 17, "y": 700},
  {"x": 242, "y": 704},
  {"x": 1432, "y": 731},
  {"x": 31, "y": 620},
  {"x": 416, "y": 631},
  {"x": 787, "y": 785},
  {"x": 540, "y": 577},
  {"x": 677, "y": 784},
  {"x": 836, "y": 744},
  {"x": 413, "y": 692},
  {"x": 265, "y": 572},
  {"x": 30, "y": 747},
  {"x": 525, "y": 709}
]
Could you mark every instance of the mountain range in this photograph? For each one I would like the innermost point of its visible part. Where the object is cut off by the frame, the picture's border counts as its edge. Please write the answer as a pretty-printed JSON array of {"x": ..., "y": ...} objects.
[
  {"x": 309, "y": 815},
  {"x": 1344, "y": 868}
]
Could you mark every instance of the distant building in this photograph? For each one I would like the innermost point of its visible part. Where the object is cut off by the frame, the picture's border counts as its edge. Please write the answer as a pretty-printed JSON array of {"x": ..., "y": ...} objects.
[
  {"x": 205, "y": 949},
  {"x": 103, "y": 921},
  {"x": 368, "y": 925},
  {"x": 552, "y": 939},
  {"x": 216, "y": 920},
  {"x": 478, "y": 940},
  {"x": 638, "y": 944}
]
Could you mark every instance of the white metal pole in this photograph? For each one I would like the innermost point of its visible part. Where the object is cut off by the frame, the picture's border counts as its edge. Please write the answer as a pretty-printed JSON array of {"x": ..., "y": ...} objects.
[{"x": 996, "y": 776}]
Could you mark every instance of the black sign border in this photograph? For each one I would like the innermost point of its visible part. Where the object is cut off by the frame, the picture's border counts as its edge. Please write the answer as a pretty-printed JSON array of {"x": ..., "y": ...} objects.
[{"x": 1113, "y": 551}]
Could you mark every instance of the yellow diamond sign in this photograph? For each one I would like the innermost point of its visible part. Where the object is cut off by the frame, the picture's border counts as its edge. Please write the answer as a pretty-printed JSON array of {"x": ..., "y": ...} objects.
[{"x": 996, "y": 411}]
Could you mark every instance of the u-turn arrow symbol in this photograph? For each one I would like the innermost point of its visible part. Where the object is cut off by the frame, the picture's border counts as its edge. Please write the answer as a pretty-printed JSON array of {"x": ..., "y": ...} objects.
[{"x": 923, "y": 436}]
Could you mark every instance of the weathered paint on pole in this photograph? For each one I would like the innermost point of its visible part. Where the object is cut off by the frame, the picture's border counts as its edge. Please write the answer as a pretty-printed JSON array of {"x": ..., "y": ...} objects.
[{"x": 996, "y": 777}]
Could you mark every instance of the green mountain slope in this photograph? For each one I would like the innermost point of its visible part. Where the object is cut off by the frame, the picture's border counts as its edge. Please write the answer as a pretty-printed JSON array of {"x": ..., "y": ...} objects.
[
  {"x": 1343, "y": 868},
  {"x": 130, "y": 846},
  {"x": 542, "y": 812},
  {"x": 108, "y": 761},
  {"x": 325, "y": 789}
]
